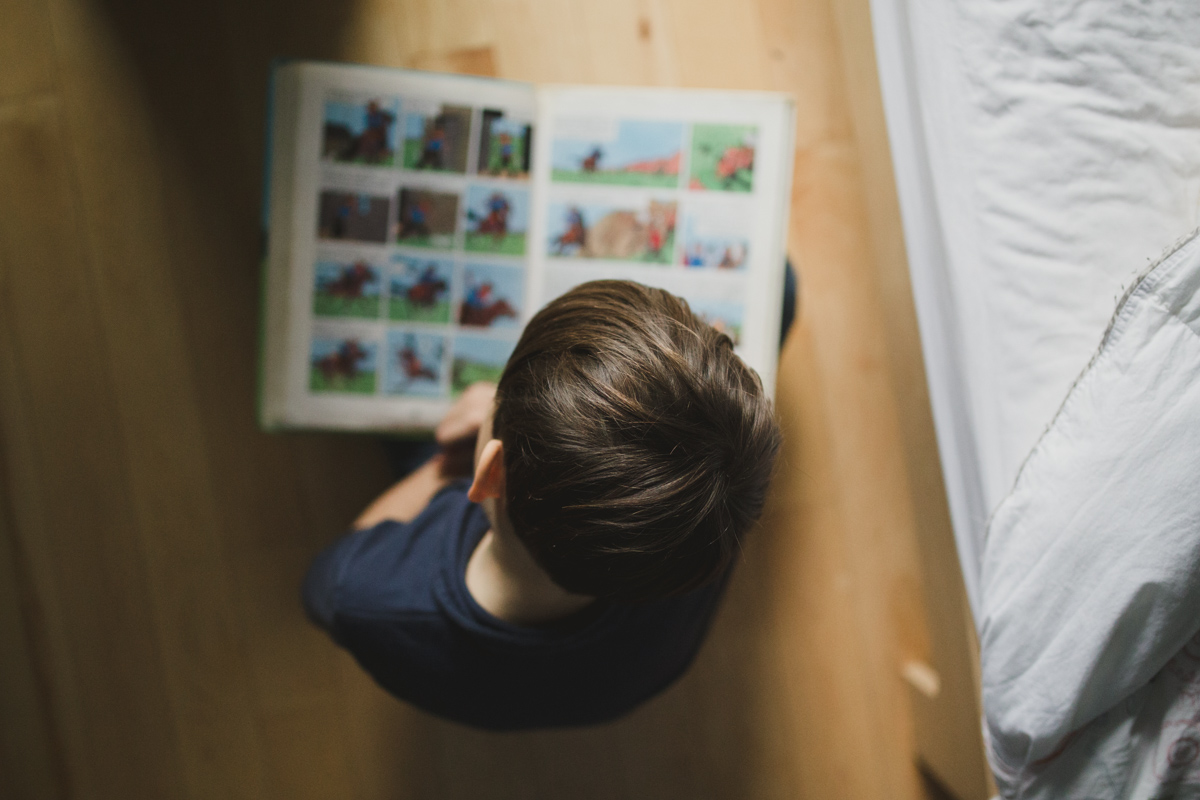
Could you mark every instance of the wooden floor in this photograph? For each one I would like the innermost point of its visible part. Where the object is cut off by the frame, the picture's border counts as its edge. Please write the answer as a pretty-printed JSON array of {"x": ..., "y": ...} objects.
[{"x": 152, "y": 540}]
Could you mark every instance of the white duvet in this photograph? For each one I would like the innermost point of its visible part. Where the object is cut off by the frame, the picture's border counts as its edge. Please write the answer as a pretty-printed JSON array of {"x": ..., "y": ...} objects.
[
  {"x": 1090, "y": 590},
  {"x": 1046, "y": 152}
]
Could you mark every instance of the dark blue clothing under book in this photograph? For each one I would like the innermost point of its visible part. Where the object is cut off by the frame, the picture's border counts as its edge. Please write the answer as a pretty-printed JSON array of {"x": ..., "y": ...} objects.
[{"x": 395, "y": 596}]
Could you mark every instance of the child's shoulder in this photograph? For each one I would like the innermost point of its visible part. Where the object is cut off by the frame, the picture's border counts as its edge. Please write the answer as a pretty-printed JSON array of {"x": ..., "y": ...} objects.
[{"x": 395, "y": 565}]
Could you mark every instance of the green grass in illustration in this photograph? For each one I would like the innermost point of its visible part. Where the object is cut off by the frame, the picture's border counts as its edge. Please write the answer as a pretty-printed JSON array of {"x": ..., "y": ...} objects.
[
  {"x": 512, "y": 244},
  {"x": 362, "y": 383},
  {"x": 664, "y": 253},
  {"x": 709, "y": 144},
  {"x": 325, "y": 305},
  {"x": 465, "y": 372},
  {"x": 495, "y": 161},
  {"x": 412, "y": 152},
  {"x": 400, "y": 308},
  {"x": 435, "y": 241},
  {"x": 386, "y": 161},
  {"x": 650, "y": 179}
]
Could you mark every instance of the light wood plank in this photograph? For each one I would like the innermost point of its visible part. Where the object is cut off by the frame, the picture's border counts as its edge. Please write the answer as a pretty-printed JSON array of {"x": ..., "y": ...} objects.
[
  {"x": 717, "y": 45},
  {"x": 872, "y": 569},
  {"x": 947, "y": 723}
]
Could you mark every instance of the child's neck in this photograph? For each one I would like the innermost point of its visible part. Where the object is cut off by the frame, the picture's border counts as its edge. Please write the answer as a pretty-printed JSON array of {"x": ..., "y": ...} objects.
[{"x": 506, "y": 581}]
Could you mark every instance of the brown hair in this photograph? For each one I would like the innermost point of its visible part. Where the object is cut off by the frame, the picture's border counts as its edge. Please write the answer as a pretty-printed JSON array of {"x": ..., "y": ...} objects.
[{"x": 637, "y": 446}]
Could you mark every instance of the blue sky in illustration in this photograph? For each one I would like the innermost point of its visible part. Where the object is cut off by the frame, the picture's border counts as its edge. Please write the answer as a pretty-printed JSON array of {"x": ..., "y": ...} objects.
[
  {"x": 481, "y": 350},
  {"x": 636, "y": 140}
]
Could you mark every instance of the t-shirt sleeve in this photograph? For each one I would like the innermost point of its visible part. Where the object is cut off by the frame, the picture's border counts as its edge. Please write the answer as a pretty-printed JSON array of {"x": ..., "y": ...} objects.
[
  {"x": 319, "y": 593},
  {"x": 372, "y": 569}
]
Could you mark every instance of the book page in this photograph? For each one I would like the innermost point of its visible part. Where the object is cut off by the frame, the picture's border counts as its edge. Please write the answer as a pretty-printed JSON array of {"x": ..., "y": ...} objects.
[
  {"x": 408, "y": 246},
  {"x": 680, "y": 189}
]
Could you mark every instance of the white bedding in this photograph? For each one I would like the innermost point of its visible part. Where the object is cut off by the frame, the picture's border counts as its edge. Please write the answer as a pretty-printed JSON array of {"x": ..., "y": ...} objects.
[
  {"x": 1091, "y": 570},
  {"x": 1045, "y": 152}
]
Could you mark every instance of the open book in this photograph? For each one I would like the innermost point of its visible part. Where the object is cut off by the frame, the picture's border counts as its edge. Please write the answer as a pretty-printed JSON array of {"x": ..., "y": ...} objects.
[{"x": 417, "y": 220}]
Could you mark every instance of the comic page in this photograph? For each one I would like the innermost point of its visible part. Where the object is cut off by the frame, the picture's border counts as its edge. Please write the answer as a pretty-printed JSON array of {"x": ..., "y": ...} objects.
[
  {"x": 685, "y": 190},
  {"x": 407, "y": 237}
]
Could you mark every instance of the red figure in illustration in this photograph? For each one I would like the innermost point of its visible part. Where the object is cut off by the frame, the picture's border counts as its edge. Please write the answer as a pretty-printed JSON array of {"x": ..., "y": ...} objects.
[
  {"x": 496, "y": 221},
  {"x": 486, "y": 315},
  {"x": 592, "y": 162},
  {"x": 341, "y": 363},
  {"x": 732, "y": 161},
  {"x": 414, "y": 368},
  {"x": 350, "y": 283},
  {"x": 426, "y": 291}
]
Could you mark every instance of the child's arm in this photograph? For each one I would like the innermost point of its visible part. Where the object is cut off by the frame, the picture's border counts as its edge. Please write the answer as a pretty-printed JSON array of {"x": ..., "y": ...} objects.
[
  {"x": 457, "y": 432},
  {"x": 406, "y": 499}
]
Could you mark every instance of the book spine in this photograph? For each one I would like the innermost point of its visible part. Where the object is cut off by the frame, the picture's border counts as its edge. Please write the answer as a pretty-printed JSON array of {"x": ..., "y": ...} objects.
[{"x": 264, "y": 222}]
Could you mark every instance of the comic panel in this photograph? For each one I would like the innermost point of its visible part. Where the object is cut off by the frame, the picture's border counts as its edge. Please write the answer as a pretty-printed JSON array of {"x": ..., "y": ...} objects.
[
  {"x": 617, "y": 152},
  {"x": 419, "y": 289},
  {"x": 628, "y": 232},
  {"x": 493, "y": 296},
  {"x": 724, "y": 315},
  {"x": 477, "y": 358},
  {"x": 345, "y": 365},
  {"x": 436, "y": 138},
  {"x": 353, "y": 217},
  {"x": 361, "y": 130},
  {"x": 497, "y": 220},
  {"x": 346, "y": 289},
  {"x": 415, "y": 363},
  {"x": 505, "y": 145},
  {"x": 716, "y": 237},
  {"x": 723, "y": 157},
  {"x": 427, "y": 219}
]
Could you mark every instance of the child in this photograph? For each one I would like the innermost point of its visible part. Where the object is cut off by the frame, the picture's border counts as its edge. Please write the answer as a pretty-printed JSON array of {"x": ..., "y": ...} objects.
[{"x": 624, "y": 454}]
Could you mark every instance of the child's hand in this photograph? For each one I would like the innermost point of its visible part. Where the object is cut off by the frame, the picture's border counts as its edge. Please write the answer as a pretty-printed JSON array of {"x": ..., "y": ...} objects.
[
  {"x": 463, "y": 419},
  {"x": 457, "y": 431}
]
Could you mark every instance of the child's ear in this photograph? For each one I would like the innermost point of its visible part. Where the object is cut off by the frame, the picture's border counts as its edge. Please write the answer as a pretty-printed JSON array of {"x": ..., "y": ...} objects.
[{"x": 489, "y": 473}]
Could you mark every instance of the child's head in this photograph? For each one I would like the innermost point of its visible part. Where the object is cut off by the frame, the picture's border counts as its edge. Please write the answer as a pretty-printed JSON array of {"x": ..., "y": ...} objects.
[{"x": 637, "y": 448}]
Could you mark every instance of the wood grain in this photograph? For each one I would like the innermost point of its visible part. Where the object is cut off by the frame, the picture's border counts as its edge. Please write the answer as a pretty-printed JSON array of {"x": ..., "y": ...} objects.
[
  {"x": 65, "y": 458},
  {"x": 948, "y": 735},
  {"x": 154, "y": 540}
]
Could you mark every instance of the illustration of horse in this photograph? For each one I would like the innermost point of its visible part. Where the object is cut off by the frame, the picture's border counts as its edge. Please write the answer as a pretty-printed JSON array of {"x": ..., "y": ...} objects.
[
  {"x": 496, "y": 221},
  {"x": 575, "y": 236},
  {"x": 372, "y": 144},
  {"x": 426, "y": 292},
  {"x": 349, "y": 284},
  {"x": 733, "y": 162},
  {"x": 342, "y": 363},
  {"x": 592, "y": 162},
  {"x": 412, "y": 365},
  {"x": 485, "y": 315},
  {"x": 626, "y": 234}
]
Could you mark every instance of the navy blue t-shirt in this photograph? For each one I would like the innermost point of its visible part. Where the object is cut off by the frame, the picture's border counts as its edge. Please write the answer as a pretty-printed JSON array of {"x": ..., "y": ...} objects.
[{"x": 395, "y": 596}]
